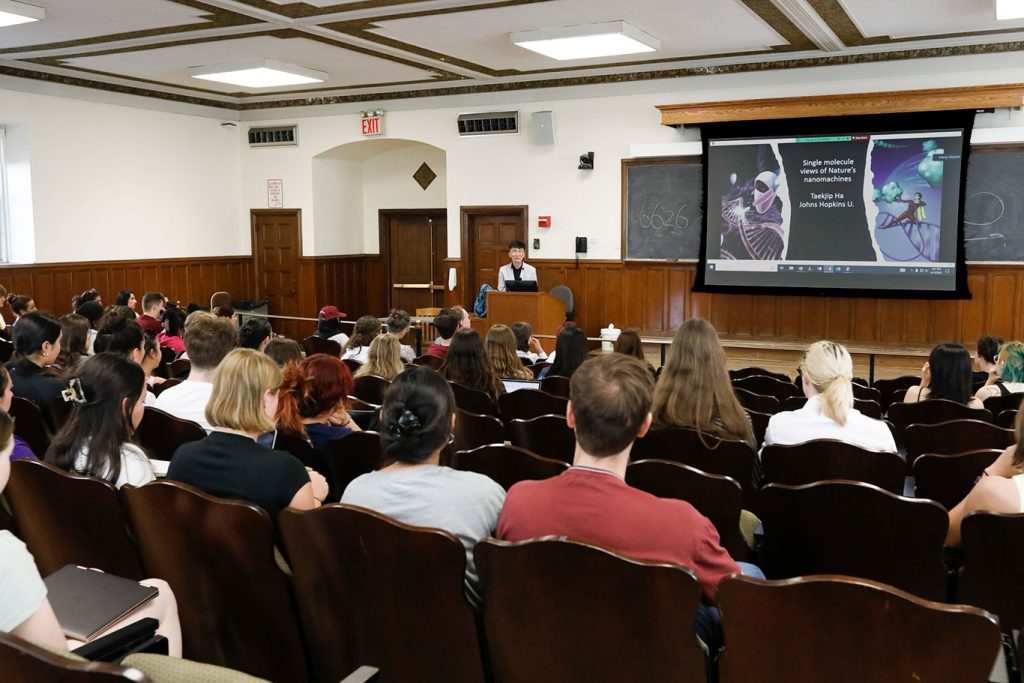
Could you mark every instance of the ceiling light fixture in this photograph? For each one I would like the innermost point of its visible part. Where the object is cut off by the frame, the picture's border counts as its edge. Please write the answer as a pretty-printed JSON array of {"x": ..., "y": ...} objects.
[
  {"x": 1009, "y": 9},
  {"x": 261, "y": 73},
  {"x": 13, "y": 13},
  {"x": 583, "y": 42}
]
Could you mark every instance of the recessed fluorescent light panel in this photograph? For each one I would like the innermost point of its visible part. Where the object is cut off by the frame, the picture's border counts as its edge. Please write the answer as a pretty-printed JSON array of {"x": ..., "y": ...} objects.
[
  {"x": 584, "y": 42},
  {"x": 13, "y": 13},
  {"x": 262, "y": 73},
  {"x": 1009, "y": 9}
]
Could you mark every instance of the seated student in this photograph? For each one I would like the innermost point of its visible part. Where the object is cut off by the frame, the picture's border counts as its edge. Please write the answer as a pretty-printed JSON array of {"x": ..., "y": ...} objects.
[
  {"x": 570, "y": 352},
  {"x": 37, "y": 345},
  {"x": 283, "y": 351},
  {"x": 629, "y": 343},
  {"x": 329, "y": 325},
  {"x": 228, "y": 313},
  {"x": 153, "y": 305},
  {"x": 468, "y": 365},
  {"x": 384, "y": 359},
  {"x": 172, "y": 329},
  {"x": 119, "y": 333},
  {"x": 75, "y": 342},
  {"x": 108, "y": 392},
  {"x": 416, "y": 422},
  {"x": 151, "y": 358},
  {"x": 501, "y": 351},
  {"x": 445, "y": 322},
  {"x": 610, "y": 399},
  {"x": 88, "y": 295},
  {"x": 985, "y": 352},
  {"x": 358, "y": 347},
  {"x": 21, "y": 449},
  {"x": 946, "y": 374},
  {"x": 398, "y": 323},
  {"x": 255, "y": 333},
  {"x": 518, "y": 269},
  {"x": 126, "y": 297},
  {"x": 694, "y": 389},
  {"x": 463, "y": 315},
  {"x": 229, "y": 463},
  {"x": 1008, "y": 374},
  {"x": 1000, "y": 488},
  {"x": 312, "y": 399},
  {"x": 827, "y": 372},
  {"x": 208, "y": 339},
  {"x": 527, "y": 346},
  {"x": 24, "y": 608},
  {"x": 93, "y": 312},
  {"x": 20, "y": 305}
]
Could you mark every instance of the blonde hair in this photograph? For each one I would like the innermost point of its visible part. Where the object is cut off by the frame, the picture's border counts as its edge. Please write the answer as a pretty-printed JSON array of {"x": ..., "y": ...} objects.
[
  {"x": 384, "y": 358},
  {"x": 501, "y": 349},
  {"x": 238, "y": 386},
  {"x": 829, "y": 369}
]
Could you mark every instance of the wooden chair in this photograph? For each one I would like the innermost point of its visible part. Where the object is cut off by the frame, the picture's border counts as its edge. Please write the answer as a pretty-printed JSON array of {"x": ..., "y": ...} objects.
[
  {"x": 930, "y": 412},
  {"x": 537, "y": 593},
  {"x": 547, "y": 435},
  {"x": 473, "y": 401},
  {"x": 160, "y": 433},
  {"x": 164, "y": 386},
  {"x": 733, "y": 459},
  {"x": 716, "y": 497},
  {"x": 824, "y": 459},
  {"x": 870, "y": 408},
  {"x": 30, "y": 425},
  {"x": 856, "y": 529},
  {"x": 538, "y": 367},
  {"x": 313, "y": 345},
  {"x": 428, "y": 361},
  {"x": 990, "y": 578},
  {"x": 759, "y": 425},
  {"x": 472, "y": 430},
  {"x": 997, "y": 404},
  {"x": 179, "y": 369},
  {"x": 23, "y": 662},
  {"x": 356, "y": 403},
  {"x": 845, "y": 630},
  {"x": 954, "y": 436},
  {"x": 556, "y": 385},
  {"x": 947, "y": 479},
  {"x": 767, "y": 386},
  {"x": 351, "y": 456},
  {"x": 762, "y": 403},
  {"x": 1007, "y": 419},
  {"x": 6, "y": 350},
  {"x": 353, "y": 364},
  {"x": 299, "y": 446},
  {"x": 234, "y": 602},
  {"x": 526, "y": 404},
  {"x": 70, "y": 519},
  {"x": 359, "y": 578},
  {"x": 507, "y": 465},
  {"x": 888, "y": 387},
  {"x": 743, "y": 373},
  {"x": 865, "y": 393},
  {"x": 371, "y": 388}
]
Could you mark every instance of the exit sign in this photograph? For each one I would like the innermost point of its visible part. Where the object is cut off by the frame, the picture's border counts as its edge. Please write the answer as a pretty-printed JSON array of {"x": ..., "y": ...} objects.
[{"x": 372, "y": 125}]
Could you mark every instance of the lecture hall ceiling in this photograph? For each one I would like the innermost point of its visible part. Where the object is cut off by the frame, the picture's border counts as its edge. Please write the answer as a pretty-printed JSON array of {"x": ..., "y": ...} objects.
[{"x": 379, "y": 50}]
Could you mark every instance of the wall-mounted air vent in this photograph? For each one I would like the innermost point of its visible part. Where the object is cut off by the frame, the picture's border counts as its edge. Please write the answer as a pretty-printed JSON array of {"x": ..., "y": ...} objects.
[
  {"x": 489, "y": 123},
  {"x": 277, "y": 136}
]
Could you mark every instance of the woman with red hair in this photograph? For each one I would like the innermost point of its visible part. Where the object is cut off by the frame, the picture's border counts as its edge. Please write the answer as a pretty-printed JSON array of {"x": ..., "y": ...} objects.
[{"x": 312, "y": 399}]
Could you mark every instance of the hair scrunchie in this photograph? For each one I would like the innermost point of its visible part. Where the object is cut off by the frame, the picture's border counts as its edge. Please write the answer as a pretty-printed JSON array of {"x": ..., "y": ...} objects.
[{"x": 406, "y": 424}]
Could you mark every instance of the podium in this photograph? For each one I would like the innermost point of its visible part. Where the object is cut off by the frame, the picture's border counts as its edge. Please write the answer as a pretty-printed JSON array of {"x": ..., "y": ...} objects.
[{"x": 543, "y": 311}]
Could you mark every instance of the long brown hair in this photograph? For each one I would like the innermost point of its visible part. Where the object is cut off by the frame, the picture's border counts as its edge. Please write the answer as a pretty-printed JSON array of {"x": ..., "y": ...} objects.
[
  {"x": 468, "y": 365},
  {"x": 501, "y": 350},
  {"x": 694, "y": 388},
  {"x": 629, "y": 344}
]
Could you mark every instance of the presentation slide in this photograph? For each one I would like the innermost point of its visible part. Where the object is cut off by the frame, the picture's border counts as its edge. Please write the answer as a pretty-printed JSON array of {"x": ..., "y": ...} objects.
[{"x": 850, "y": 210}]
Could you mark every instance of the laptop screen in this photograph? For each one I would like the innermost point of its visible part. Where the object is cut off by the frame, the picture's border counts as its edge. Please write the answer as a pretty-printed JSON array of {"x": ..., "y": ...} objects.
[
  {"x": 517, "y": 384},
  {"x": 521, "y": 285}
]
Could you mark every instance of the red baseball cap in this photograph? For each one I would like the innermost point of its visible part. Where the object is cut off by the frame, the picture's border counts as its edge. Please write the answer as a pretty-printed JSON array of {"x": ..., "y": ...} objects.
[{"x": 331, "y": 313}]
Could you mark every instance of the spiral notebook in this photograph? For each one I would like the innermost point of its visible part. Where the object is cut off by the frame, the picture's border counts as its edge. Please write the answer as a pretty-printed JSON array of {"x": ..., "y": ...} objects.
[{"x": 88, "y": 601}]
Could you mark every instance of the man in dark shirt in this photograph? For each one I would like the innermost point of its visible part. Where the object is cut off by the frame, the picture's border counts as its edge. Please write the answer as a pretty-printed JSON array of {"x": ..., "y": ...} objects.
[{"x": 446, "y": 322}]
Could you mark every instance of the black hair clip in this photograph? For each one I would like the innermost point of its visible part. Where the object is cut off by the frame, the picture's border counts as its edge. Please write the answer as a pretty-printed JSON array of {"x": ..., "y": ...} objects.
[
  {"x": 74, "y": 393},
  {"x": 406, "y": 424}
]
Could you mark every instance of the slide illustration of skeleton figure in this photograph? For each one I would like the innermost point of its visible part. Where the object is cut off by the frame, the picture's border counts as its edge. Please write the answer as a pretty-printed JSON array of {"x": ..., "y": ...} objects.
[{"x": 752, "y": 210}]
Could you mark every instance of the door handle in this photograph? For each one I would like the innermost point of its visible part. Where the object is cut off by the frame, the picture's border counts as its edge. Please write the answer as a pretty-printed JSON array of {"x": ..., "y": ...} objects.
[{"x": 412, "y": 286}]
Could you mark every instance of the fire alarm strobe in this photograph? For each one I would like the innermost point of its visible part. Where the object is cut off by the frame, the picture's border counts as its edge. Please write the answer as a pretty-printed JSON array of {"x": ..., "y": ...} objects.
[{"x": 543, "y": 221}]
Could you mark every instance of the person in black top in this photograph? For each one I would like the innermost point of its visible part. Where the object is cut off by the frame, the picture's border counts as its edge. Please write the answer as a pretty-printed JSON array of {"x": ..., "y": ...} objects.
[
  {"x": 36, "y": 345},
  {"x": 229, "y": 463}
]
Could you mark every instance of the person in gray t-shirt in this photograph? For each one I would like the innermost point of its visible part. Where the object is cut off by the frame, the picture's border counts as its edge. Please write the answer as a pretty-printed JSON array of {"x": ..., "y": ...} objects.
[{"x": 416, "y": 420}]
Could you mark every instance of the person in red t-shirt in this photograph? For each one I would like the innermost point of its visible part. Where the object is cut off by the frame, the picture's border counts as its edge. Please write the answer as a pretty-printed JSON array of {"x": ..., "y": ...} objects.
[
  {"x": 446, "y": 322},
  {"x": 609, "y": 407}
]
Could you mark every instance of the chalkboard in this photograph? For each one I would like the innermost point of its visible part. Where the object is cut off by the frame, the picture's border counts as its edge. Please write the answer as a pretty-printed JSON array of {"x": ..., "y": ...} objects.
[
  {"x": 994, "y": 204},
  {"x": 661, "y": 208}
]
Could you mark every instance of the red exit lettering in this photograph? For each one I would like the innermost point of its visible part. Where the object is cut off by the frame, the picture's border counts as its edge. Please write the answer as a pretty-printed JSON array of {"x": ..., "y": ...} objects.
[{"x": 371, "y": 126}]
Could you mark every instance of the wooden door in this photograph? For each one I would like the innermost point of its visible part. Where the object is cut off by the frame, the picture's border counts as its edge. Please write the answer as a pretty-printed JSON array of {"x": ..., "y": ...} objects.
[
  {"x": 416, "y": 244},
  {"x": 486, "y": 234},
  {"x": 276, "y": 248}
]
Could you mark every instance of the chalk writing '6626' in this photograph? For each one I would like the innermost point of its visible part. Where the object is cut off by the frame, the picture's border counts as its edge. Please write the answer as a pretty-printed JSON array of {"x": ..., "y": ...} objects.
[{"x": 659, "y": 218}]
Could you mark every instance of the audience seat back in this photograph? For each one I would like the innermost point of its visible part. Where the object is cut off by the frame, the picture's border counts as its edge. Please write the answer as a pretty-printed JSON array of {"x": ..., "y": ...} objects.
[
  {"x": 473, "y": 401},
  {"x": 164, "y": 386},
  {"x": 930, "y": 412},
  {"x": 759, "y": 425},
  {"x": 179, "y": 369},
  {"x": 991, "y": 574},
  {"x": 1007, "y": 419},
  {"x": 954, "y": 436},
  {"x": 507, "y": 465},
  {"x": 70, "y": 519},
  {"x": 824, "y": 459},
  {"x": 373, "y": 590},
  {"x": 30, "y": 425},
  {"x": 767, "y": 386},
  {"x": 472, "y": 430},
  {"x": 556, "y": 385},
  {"x": 351, "y": 456},
  {"x": 527, "y": 404},
  {"x": 371, "y": 388},
  {"x": 313, "y": 345},
  {"x": 997, "y": 404},
  {"x": 539, "y": 366},
  {"x": 547, "y": 600},
  {"x": 856, "y": 529},
  {"x": 743, "y": 373},
  {"x": 234, "y": 602},
  {"x": 947, "y": 479},
  {"x": 762, "y": 403},
  {"x": 429, "y": 361},
  {"x": 23, "y": 662},
  {"x": 547, "y": 435},
  {"x": 161, "y": 433},
  {"x": 887, "y": 388},
  {"x": 845, "y": 630}
]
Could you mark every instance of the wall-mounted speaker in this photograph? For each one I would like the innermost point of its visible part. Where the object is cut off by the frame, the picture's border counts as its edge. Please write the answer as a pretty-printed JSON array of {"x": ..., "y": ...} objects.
[{"x": 542, "y": 128}]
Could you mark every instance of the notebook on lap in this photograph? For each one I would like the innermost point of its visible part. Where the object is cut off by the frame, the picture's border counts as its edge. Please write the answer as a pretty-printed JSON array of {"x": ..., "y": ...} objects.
[{"x": 87, "y": 601}]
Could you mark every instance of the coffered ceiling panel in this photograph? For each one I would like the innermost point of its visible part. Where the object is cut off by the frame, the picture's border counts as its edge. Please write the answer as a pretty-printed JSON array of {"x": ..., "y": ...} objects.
[
  {"x": 482, "y": 36},
  {"x": 919, "y": 18}
]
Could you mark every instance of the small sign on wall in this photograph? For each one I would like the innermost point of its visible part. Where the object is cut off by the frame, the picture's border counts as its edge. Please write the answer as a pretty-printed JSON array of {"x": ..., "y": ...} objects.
[
  {"x": 275, "y": 193},
  {"x": 371, "y": 123}
]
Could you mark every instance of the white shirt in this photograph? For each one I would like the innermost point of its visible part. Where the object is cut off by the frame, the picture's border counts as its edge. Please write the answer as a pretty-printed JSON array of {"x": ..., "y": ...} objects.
[
  {"x": 188, "y": 401},
  {"x": 341, "y": 338},
  {"x": 534, "y": 357},
  {"x": 808, "y": 423},
  {"x": 360, "y": 354},
  {"x": 22, "y": 590},
  {"x": 135, "y": 466},
  {"x": 505, "y": 274},
  {"x": 407, "y": 353}
]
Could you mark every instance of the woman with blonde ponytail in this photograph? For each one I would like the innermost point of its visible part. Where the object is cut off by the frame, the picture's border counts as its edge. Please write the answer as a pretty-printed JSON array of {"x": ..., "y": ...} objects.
[{"x": 827, "y": 373}]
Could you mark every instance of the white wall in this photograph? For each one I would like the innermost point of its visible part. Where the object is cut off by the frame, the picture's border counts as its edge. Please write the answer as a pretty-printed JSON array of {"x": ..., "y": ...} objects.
[
  {"x": 338, "y": 211},
  {"x": 388, "y": 184}
]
